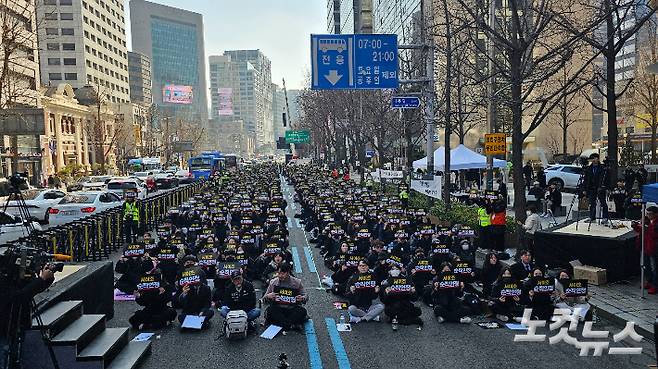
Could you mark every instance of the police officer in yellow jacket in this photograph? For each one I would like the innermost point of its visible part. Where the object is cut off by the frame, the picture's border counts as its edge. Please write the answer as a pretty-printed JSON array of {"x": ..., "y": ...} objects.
[
  {"x": 484, "y": 221},
  {"x": 130, "y": 217}
]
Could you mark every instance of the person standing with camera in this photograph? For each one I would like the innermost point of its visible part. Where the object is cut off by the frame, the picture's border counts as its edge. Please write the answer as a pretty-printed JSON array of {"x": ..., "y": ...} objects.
[
  {"x": 15, "y": 308},
  {"x": 595, "y": 187}
]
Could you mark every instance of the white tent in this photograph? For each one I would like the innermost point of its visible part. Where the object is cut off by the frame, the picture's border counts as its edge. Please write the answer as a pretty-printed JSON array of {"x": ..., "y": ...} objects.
[{"x": 461, "y": 158}]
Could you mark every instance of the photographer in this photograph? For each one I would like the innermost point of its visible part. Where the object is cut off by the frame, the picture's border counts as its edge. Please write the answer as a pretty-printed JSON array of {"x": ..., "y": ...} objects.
[
  {"x": 16, "y": 299},
  {"x": 595, "y": 186}
]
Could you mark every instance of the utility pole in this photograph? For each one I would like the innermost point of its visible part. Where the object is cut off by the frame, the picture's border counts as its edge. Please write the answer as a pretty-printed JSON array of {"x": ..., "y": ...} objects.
[
  {"x": 491, "y": 106},
  {"x": 428, "y": 91}
]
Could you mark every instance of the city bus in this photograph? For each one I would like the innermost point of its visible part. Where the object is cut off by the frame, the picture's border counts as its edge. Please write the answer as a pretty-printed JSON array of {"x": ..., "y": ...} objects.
[{"x": 205, "y": 165}]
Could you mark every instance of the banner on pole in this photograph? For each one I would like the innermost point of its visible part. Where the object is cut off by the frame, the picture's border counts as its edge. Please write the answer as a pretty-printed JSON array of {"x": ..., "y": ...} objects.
[{"x": 432, "y": 188}]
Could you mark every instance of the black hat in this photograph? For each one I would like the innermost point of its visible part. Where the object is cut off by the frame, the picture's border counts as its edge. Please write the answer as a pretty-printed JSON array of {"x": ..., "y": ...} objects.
[
  {"x": 594, "y": 156},
  {"x": 236, "y": 274}
]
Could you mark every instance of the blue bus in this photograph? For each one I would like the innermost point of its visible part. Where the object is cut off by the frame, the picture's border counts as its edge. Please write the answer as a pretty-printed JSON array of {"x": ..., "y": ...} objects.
[{"x": 206, "y": 164}]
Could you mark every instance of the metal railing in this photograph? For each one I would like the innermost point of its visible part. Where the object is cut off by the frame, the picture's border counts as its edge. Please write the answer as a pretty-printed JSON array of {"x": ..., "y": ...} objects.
[{"x": 95, "y": 237}]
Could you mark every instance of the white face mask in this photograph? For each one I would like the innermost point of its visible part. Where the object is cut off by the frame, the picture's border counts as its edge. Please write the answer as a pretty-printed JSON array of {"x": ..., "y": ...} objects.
[
  {"x": 528, "y": 212},
  {"x": 465, "y": 246},
  {"x": 395, "y": 273}
]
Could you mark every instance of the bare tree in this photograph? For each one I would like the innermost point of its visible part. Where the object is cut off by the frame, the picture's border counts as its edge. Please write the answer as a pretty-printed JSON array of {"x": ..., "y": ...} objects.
[
  {"x": 643, "y": 92},
  {"x": 617, "y": 21},
  {"x": 566, "y": 112},
  {"x": 534, "y": 47}
]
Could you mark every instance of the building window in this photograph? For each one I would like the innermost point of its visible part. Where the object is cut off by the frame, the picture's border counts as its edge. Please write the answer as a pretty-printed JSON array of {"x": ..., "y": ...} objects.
[
  {"x": 55, "y": 76},
  {"x": 52, "y": 46},
  {"x": 49, "y": 2},
  {"x": 66, "y": 16},
  {"x": 52, "y": 31},
  {"x": 68, "y": 47},
  {"x": 67, "y": 32},
  {"x": 65, "y": 2},
  {"x": 70, "y": 61},
  {"x": 53, "y": 61},
  {"x": 71, "y": 76},
  {"x": 50, "y": 16}
]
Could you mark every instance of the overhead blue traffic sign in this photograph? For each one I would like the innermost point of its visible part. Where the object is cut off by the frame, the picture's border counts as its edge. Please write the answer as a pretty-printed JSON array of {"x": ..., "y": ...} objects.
[
  {"x": 405, "y": 102},
  {"x": 354, "y": 61}
]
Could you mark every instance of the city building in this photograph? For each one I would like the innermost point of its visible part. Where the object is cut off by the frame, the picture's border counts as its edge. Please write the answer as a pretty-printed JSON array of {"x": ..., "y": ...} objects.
[
  {"x": 131, "y": 131},
  {"x": 279, "y": 111},
  {"x": 173, "y": 40},
  {"x": 350, "y": 16},
  {"x": 333, "y": 16},
  {"x": 241, "y": 89},
  {"x": 232, "y": 137},
  {"x": 22, "y": 123},
  {"x": 83, "y": 42},
  {"x": 400, "y": 17},
  {"x": 139, "y": 76}
]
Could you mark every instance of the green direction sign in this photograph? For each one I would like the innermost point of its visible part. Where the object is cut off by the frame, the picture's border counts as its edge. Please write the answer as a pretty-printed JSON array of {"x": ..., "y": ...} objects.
[{"x": 296, "y": 137}]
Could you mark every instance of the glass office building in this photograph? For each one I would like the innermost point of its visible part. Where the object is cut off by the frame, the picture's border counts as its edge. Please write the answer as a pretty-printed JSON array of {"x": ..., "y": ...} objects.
[{"x": 173, "y": 39}]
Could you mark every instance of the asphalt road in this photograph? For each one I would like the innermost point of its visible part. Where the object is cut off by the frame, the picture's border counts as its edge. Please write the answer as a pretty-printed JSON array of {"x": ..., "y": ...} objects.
[{"x": 370, "y": 345}]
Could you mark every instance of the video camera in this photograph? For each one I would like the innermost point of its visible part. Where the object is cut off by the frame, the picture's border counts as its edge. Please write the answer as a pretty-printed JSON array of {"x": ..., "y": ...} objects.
[
  {"x": 18, "y": 181},
  {"x": 19, "y": 263}
]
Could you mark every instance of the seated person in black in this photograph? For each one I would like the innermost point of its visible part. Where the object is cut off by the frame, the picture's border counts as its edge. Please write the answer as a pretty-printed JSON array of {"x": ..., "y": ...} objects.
[
  {"x": 130, "y": 270},
  {"x": 540, "y": 302},
  {"x": 286, "y": 295},
  {"x": 448, "y": 306},
  {"x": 522, "y": 269},
  {"x": 505, "y": 305},
  {"x": 490, "y": 271},
  {"x": 362, "y": 290},
  {"x": 195, "y": 300},
  {"x": 156, "y": 313},
  {"x": 240, "y": 295},
  {"x": 399, "y": 302}
]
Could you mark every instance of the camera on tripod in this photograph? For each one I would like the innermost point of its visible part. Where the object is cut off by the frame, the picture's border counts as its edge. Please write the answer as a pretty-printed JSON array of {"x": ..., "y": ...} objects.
[
  {"x": 18, "y": 182},
  {"x": 20, "y": 262}
]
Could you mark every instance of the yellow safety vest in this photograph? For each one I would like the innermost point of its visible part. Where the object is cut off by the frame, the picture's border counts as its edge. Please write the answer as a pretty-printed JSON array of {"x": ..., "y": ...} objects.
[
  {"x": 131, "y": 209},
  {"x": 404, "y": 195},
  {"x": 485, "y": 218}
]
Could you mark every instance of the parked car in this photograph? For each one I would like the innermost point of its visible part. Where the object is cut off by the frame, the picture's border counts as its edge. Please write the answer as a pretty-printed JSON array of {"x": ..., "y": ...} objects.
[
  {"x": 13, "y": 227},
  {"x": 82, "y": 204},
  {"x": 96, "y": 183},
  {"x": 184, "y": 176},
  {"x": 38, "y": 203},
  {"x": 166, "y": 180},
  {"x": 149, "y": 179},
  {"x": 118, "y": 185},
  {"x": 564, "y": 176}
]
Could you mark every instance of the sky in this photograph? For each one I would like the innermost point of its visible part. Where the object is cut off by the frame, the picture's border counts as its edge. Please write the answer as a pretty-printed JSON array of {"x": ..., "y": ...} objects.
[{"x": 279, "y": 28}]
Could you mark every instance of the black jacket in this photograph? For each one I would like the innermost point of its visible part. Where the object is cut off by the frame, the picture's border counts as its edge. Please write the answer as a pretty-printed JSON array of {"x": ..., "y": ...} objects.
[
  {"x": 245, "y": 299},
  {"x": 360, "y": 298},
  {"x": 519, "y": 272},
  {"x": 21, "y": 296},
  {"x": 196, "y": 300},
  {"x": 596, "y": 178}
]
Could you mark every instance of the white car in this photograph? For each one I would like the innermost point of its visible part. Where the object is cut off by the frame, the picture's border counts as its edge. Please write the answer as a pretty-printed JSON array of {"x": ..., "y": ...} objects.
[
  {"x": 184, "y": 176},
  {"x": 118, "y": 184},
  {"x": 143, "y": 175},
  {"x": 13, "y": 228},
  {"x": 563, "y": 175},
  {"x": 38, "y": 203},
  {"x": 82, "y": 204},
  {"x": 95, "y": 183}
]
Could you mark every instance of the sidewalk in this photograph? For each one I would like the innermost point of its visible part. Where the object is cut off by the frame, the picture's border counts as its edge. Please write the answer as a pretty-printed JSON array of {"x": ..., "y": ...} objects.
[{"x": 621, "y": 302}]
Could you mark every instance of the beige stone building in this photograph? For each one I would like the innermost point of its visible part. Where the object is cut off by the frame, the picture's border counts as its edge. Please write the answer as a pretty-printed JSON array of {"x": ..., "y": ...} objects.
[{"x": 71, "y": 130}]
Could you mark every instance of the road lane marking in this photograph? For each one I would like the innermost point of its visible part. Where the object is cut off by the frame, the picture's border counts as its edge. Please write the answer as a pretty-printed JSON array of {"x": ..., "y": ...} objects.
[
  {"x": 312, "y": 345},
  {"x": 309, "y": 260},
  {"x": 296, "y": 261},
  {"x": 337, "y": 343}
]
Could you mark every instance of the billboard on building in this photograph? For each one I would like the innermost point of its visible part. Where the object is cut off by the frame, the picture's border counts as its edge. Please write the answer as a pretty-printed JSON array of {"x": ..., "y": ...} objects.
[
  {"x": 225, "y": 106},
  {"x": 177, "y": 94}
]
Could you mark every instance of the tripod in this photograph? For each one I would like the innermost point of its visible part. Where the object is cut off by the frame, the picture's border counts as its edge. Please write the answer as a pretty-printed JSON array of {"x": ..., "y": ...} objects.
[
  {"x": 16, "y": 195},
  {"x": 576, "y": 199}
]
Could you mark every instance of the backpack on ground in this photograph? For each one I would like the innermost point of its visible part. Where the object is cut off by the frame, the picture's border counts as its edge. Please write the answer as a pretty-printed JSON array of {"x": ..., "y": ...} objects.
[{"x": 235, "y": 325}]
